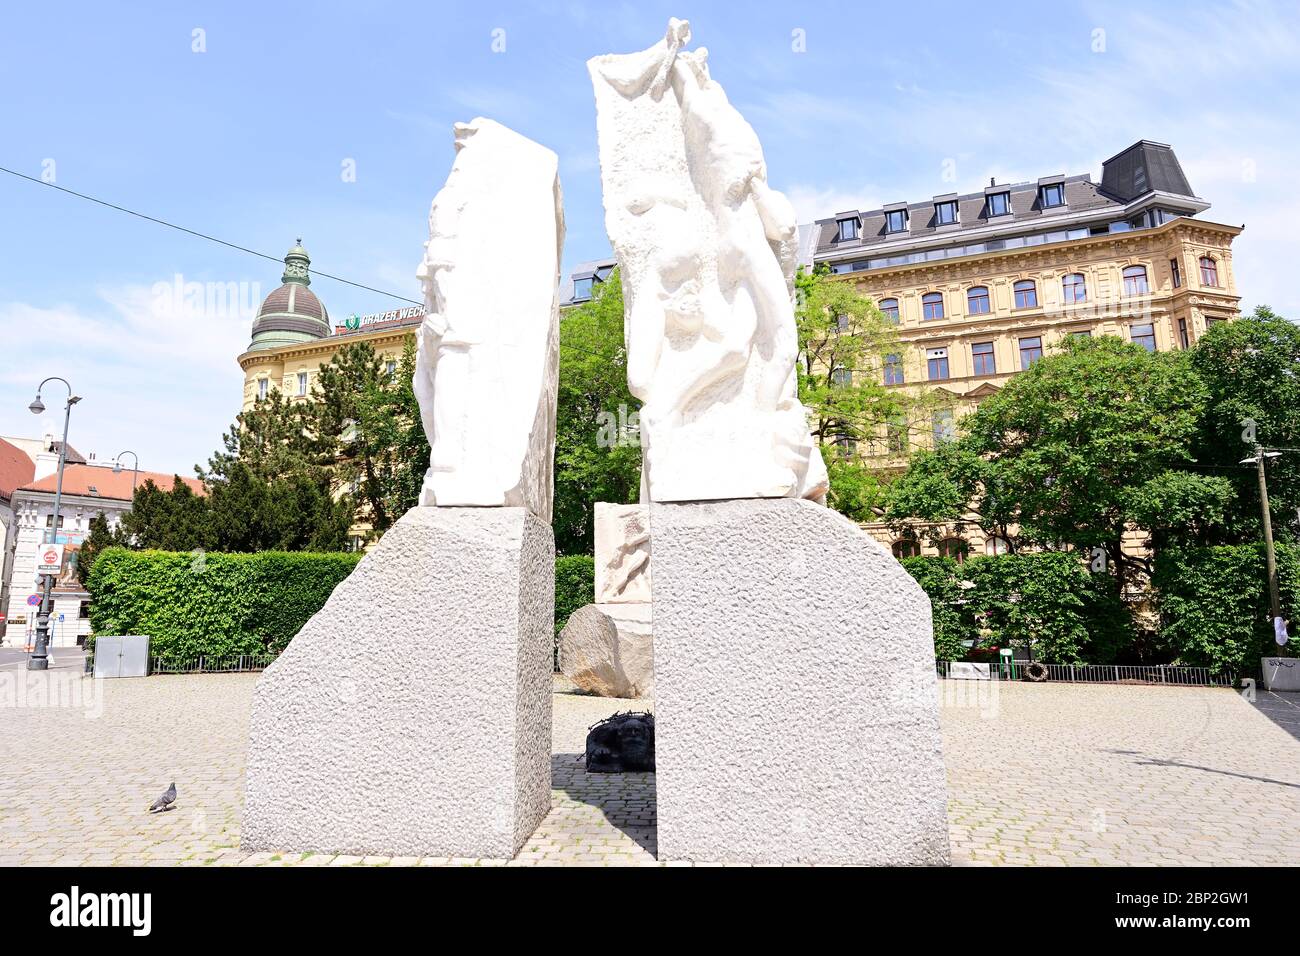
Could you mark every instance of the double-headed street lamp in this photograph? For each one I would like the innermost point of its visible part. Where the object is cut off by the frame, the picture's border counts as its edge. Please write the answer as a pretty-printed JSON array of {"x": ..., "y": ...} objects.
[
  {"x": 40, "y": 659},
  {"x": 135, "y": 471}
]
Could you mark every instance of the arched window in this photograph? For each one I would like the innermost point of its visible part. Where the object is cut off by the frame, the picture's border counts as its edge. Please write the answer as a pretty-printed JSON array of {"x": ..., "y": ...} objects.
[
  {"x": 1135, "y": 280},
  {"x": 906, "y": 548},
  {"x": 932, "y": 305},
  {"x": 997, "y": 545},
  {"x": 977, "y": 300},
  {"x": 1026, "y": 294},
  {"x": 954, "y": 548},
  {"x": 1074, "y": 288},
  {"x": 889, "y": 308},
  {"x": 1209, "y": 272}
]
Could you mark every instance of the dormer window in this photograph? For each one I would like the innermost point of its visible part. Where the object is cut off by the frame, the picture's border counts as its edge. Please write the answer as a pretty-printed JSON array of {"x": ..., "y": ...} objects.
[
  {"x": 945, "y": 213},
  {"x": 582, "y": 288},
  {"x": 999, "y": 204},
  {"x": 848, "y": 229},
  {"x": 1052, "y": 195},
  {"x": 896, "y": 220}
]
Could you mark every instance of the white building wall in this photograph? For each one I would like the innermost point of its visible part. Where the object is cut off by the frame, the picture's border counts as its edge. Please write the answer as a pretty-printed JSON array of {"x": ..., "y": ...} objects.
[{"x": 32, "y": 514}]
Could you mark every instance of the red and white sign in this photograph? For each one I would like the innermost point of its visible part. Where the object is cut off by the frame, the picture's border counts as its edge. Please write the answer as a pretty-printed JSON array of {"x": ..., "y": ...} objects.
[{"x": 49, "y": 559}]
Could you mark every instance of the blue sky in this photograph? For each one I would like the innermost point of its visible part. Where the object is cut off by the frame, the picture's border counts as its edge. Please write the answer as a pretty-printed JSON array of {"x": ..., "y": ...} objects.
[{"x": 247, "y": 140}]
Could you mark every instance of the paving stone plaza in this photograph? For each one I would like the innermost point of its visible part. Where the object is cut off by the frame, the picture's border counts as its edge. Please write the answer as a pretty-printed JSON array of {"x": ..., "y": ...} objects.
[{"x": 1038, "y": 775}]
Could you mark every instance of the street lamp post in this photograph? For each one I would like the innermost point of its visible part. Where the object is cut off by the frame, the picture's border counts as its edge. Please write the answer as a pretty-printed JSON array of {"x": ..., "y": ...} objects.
[
  {"x": 40, "y": 659},
  {"x": 1275, "y": 604},
  {"x": 135, "y": 471}
]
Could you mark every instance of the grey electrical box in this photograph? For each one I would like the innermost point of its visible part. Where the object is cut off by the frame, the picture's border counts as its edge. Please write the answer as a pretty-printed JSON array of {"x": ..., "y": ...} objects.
[{"x": 125, "y": 656}]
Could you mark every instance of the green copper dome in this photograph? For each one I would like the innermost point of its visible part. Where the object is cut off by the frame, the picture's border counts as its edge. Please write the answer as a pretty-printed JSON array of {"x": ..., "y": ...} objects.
[{"x": 292, "y": 313}]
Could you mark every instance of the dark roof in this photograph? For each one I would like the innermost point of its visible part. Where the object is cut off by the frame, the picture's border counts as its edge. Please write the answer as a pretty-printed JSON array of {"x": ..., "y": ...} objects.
[
  {"x": 16, "y": 469},
  {"x": 1143, "y": 167}
]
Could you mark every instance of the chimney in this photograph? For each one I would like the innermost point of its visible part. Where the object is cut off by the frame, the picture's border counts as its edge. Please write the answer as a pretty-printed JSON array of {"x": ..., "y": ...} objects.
[{"x": 46, "y": 461}]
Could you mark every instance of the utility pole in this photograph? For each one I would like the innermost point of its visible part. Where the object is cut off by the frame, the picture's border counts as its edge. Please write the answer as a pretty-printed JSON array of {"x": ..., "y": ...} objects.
[{"x": 1275, "y": 602}]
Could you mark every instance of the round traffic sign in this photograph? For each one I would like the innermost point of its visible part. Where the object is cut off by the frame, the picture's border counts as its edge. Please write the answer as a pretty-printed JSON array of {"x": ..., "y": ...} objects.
[{"x": 33, "y": 600}]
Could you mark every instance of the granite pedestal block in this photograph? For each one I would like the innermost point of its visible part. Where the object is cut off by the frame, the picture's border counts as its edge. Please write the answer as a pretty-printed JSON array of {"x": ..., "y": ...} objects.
[
  {"x": 412, "y": 715},
  {"x": 796, "y": 704}
]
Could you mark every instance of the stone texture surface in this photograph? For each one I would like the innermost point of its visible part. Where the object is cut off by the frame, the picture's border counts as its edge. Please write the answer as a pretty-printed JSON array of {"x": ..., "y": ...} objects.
[
  {"x": 608, "y": 651},
  {"x": 622, "y": 539},
  {"x": 411, "y": 715},
  {"x": 486, "y": 369},
  {"x": 707, "y": 253},
  {"x": 1044, "y": 774},
  {"x": 795, "y": 690}
]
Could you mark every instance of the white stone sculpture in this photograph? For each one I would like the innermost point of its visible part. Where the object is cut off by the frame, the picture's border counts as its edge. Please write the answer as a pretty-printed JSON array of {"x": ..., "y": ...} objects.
[
  {"x": 485, "y": 374},
  {"x": 706, "y": 252},
  {"x": 622, "y": 562}
]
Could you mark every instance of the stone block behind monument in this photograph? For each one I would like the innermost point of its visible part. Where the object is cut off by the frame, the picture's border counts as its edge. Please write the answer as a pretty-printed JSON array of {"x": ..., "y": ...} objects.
[{"x": 796, "y": 700}]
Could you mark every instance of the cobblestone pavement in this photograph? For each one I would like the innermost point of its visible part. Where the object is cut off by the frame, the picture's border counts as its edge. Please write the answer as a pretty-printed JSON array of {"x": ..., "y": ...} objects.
[{"x": 1039, "y": 774}]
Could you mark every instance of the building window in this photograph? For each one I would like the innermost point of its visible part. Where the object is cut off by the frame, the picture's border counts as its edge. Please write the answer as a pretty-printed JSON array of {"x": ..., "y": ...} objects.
[
  {"x": 1081, "y": 334},
  {"x": 977, "y": 300},
  {"x": 936, "y": 361},
  {"x": 848, "y": 229},
  {"x": 1183, "y": 338},
  {"x": 1135, "y": 280},
  {"x": 999, "y": 204},
  {"x": 896, "y": 221},
  {"x": 83, "y": 611},
  {"x": 896, "y": 434},
  {"x": 842, "y": 323},
  {"x": 944, "y": 429},
  {"x": 889, "y": 309},
  {"x": 390, "y": 367},
  {"x": 1053, "y": 195},
  {"x": 1074, "y": 288},
  {"x": 997, "y": 545},
  {"x": 982, "y": 355},
  {"x": 932, "y": 305},
  {"x": 1209, "y": 272},
  {"x": 945, "y": 213},
  {"x": 582, "y": 289},
  {"x": 302, "y": 383},
  {"x": 954, "y": 548},
  {"x": 1144, "y": 335},
  {"x": 49, "y": 520},
  {"x": 841, "y": 376},
  {"x": 262, "y": 385},
  {"x": 1026, "y": 294},
  {"x": 906, "y": 548},
  {"x": 845, "y": 448},
  {"x": 893, "y": 369},
  {"x": 1031, "y": 350},
  {"x": 1177, "y": 273}
]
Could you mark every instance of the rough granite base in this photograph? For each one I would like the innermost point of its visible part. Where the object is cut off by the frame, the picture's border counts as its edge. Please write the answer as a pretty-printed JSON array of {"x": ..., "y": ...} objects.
[
  {"x": 796, "y": 704},
  {"x": 411, "y": 716}
]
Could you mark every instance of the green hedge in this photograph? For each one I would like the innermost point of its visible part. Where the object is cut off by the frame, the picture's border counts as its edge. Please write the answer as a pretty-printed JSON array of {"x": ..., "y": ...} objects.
[
  {"x": 1070, "y": 614},
  {"x": 1214, "y": 606},
  {"x": 213, "y": 605},
  {"x": 575, "y": 586}
]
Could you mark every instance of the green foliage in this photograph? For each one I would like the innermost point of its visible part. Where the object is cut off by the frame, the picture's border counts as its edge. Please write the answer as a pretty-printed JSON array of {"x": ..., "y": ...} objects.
[
  {"x": 1214, "y": 606},
  {"x": 940, "y": 578},
  {"x": 597, "y": 446},
  {"x": 1251, "y": 370},
  {"x": 575, "y": 586},
  {"x": 211, "y": 604},
  {"x": 98, "y": 538},
  {"x": 173, "y": 520}
]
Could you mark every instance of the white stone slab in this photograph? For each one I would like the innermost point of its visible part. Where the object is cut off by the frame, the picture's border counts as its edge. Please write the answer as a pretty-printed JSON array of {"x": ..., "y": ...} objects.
[
  {"x": 622, "y": 562},
  {"x": 706, "y": 252},
  {"x": 488, "y": 347},
  {"x": 607, "y": 649},
  {"x": 411, "y": 716},
  {"x": 965, "y": 670},
  {"x": 796, "y": 703}
]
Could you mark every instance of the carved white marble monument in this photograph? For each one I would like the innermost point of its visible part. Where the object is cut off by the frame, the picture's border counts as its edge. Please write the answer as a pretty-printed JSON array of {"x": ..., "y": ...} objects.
[
  {"x": 706, "y": 251},
  {"x": 412, "y": 715},
  {"x": 795, "y": 691}
]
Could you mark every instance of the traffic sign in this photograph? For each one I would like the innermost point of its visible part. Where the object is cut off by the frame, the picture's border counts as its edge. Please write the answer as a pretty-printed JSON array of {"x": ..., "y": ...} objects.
[
  {"x": 49, "y": 559},
  {"x": 33, "y": 600}
]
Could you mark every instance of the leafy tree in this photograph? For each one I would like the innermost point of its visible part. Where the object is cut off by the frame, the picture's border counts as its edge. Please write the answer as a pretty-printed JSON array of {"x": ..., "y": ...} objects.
[
  {"x": 1079, "y": 449},
  {"x": 1251, "y": 371},
  {"x": 844, "y": 344},
  {"x": 99, "y": 537},
  {"x": 597, "y": 446},
  {"x": 173, "y": 520}
]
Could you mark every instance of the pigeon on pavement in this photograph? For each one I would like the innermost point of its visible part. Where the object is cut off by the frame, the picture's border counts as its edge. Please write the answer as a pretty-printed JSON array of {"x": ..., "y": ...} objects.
[{"x": 165, "y": 801}]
